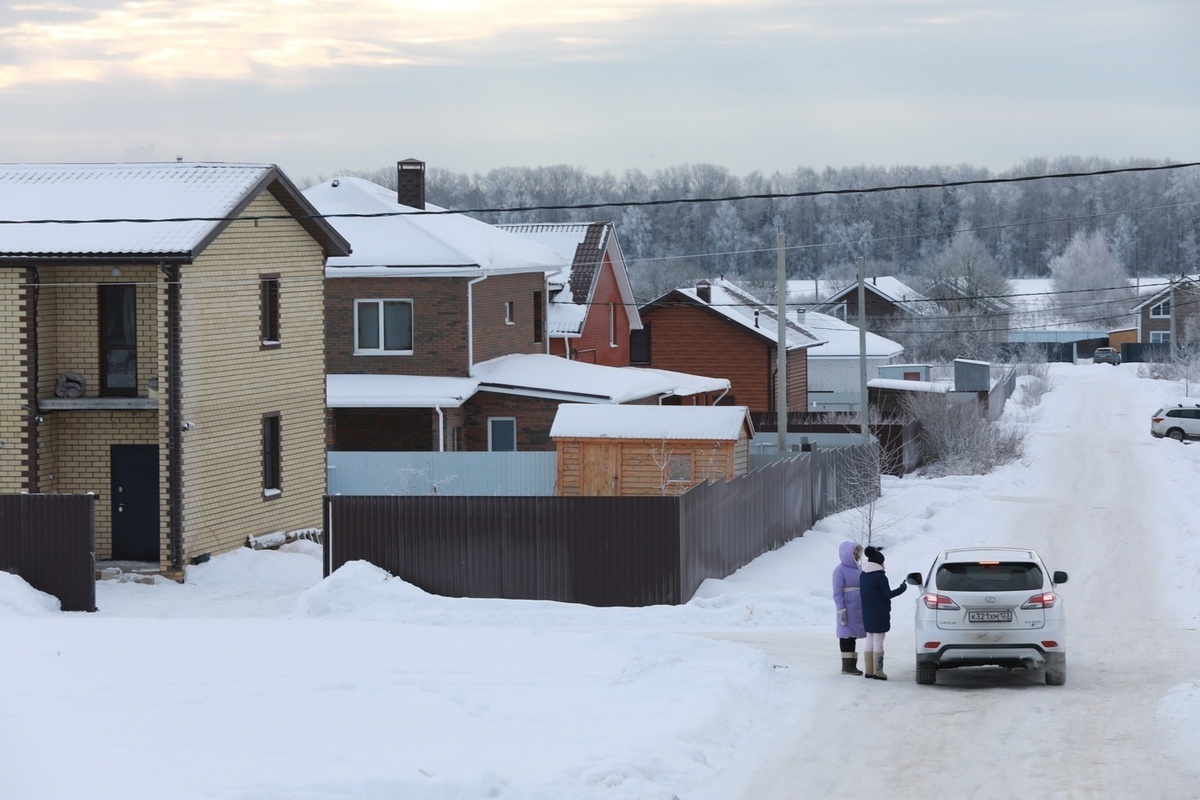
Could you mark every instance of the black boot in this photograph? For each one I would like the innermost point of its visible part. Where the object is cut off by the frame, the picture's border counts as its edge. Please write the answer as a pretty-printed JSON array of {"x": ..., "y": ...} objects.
[{"x": 850, "y": 664}]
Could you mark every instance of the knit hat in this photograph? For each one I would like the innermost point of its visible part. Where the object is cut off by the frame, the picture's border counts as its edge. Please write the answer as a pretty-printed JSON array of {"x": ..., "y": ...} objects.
[{"x": 874, "y": 555}]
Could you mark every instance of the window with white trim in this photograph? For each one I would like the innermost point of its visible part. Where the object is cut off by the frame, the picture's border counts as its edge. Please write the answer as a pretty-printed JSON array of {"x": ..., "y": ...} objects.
[
  {"x": 612, "y": 324},
  {"x": 1162, "y": 310},
  {"x": 508, "y": 313},
  {"x": 1160, "y": 337},
  {"x": 502, "y": 434},
  {"x": 383, "y": 327}
]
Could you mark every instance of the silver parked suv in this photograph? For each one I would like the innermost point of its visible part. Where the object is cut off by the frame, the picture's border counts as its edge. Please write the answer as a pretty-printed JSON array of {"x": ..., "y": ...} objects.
[
  {"x": 984, "y": 606},
  {"x": 1106, "y": 355}
]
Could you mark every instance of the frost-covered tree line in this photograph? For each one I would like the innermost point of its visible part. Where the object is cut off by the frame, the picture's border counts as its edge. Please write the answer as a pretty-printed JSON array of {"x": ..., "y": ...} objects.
[
  {"x": 1149, "y": 220},
  {"x": 1089, "y": 234}
]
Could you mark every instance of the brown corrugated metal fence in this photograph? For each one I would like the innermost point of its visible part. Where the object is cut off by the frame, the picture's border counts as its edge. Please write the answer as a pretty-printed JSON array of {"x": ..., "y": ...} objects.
[
  {"x": 49, "y": 541},
  {"x": 602, "y": 551}
]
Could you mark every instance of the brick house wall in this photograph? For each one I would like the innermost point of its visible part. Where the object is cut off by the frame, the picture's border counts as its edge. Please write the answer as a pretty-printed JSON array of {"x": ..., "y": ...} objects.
[
  {"x": 534, "y": 416},
  {"x": 383, "y": 429},
  {"x": 230, "y": 381},
  {"x": 73, "y": 446},
  {"x": 16, "y": 459},
  {"x": 689, "y": 339},
  {"x": 439, "y": 322},
  {"x": 597, "y": 342}
]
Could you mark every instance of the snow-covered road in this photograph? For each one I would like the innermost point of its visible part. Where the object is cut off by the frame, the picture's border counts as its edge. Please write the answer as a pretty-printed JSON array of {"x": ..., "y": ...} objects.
[{"x": 1097, "y": 508}]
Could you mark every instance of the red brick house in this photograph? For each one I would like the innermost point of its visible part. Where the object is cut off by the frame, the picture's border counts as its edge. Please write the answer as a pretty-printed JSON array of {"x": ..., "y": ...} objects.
[
  {"x": 717, "y": 329},
  {"x": 591, "y": 304},
  {"x": 436, "y": 335}
]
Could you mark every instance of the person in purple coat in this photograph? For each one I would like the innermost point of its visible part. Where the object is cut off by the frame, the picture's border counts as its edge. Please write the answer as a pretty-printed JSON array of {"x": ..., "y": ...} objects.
[
  {"x": 877, "y": 610},
  {"x": 848, "y": 600}
]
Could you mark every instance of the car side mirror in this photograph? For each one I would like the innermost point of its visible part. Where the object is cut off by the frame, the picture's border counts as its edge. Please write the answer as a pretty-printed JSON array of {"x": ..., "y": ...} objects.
[
  {"x": 1060, "y": 577},
  {"x": 916, "y": 579}
]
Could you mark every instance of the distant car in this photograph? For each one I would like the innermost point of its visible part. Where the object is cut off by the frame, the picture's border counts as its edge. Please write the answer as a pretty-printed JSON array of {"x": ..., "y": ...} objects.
[
  {"x": 982, "y": 606},
  {"x": 1176, "y": 422},
  {"x": 1106, "y": 355}
]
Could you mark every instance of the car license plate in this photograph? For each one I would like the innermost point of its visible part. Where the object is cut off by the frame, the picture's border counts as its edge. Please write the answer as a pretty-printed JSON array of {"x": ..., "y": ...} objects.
[{"x": 998, "y": 615}]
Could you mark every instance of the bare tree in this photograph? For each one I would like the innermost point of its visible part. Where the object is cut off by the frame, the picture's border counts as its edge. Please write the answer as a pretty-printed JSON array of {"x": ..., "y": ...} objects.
[{"x": 1093, "y": 285}]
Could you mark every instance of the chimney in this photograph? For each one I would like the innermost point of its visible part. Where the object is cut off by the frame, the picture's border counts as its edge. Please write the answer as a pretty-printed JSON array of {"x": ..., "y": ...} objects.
[
  {"x": 704, "y": 291},
  {"x": 410, "y": 183}
]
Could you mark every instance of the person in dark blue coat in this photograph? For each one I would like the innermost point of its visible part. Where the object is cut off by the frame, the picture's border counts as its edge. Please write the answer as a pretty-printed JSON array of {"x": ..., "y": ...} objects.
[{"x": 877, "y": 610}]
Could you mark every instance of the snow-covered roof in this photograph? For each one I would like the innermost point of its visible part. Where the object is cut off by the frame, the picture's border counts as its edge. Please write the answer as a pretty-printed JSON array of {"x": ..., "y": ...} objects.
[
  {"x": 1160, "y": 288},
  {"x": 910, "y": 386},
  {"x": 200, "y": 196},
  {"x": 716, "y": 423},
  {"x": 553, "y": 376},
  {"x": 841, "y": 339},
  {"x": 532, "y": 375},
  {"x": 583, "y": 246},
  {"x": 887, "y": 287},
  {"x": 391, "y": 239},
  {"x": 397, "y": 391},
  {"x": 742, "y": 308},
  {"x": 561, "y": 237},
  {"x": 686, "y": 383},
  {"x": 819, "y": 292}
]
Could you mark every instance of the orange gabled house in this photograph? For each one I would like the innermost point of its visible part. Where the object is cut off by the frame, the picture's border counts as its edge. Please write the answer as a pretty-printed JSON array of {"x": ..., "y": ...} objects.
[{"x": 591, "y": 309}]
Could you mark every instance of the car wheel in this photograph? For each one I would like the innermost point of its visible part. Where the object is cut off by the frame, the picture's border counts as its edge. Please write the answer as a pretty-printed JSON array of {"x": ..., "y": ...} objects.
[
  {"x": 926, "y": 673},
  {"x": 1056, "y": 669},
  {"x": 1176, "y": 434}
]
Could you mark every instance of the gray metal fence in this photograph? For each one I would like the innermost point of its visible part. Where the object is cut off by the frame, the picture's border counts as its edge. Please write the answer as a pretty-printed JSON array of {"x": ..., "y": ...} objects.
[
  {"x": 49, "y": 541},
  {"x": 412, "y": 473}
]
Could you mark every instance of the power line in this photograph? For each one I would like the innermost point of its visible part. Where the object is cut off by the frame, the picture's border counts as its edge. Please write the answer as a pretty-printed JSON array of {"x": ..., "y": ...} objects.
[{"x": 620, "y": 203}]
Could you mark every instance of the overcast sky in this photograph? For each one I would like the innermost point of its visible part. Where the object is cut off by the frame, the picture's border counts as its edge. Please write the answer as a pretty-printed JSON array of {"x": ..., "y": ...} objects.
[{"x": 471, "y": 85}]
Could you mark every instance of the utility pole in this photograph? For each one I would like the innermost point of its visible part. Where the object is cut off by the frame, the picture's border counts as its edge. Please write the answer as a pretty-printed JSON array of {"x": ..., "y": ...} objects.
[
  {"x": 1171, "y": 300},
  {"x": 862, "y": 350},
  {"x": 781, "y": 346}
]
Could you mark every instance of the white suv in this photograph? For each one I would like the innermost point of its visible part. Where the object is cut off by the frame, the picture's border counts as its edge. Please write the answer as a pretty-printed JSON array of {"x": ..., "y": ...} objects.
[
  {"x": 1178, "y": 422},
  {"x": 990, "y": 606}
]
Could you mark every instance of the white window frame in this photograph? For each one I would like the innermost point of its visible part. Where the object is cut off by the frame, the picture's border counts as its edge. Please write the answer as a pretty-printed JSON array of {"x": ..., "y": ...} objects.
[
  {"x": 612, "y": 324},
  {"x": 1157, "y": 311},
  {"x": 379, "y": 303},
  {"x": 1160, "y": 337},
  {"x": 508, "y": 313},
  {"x": 491, "y": 423}
]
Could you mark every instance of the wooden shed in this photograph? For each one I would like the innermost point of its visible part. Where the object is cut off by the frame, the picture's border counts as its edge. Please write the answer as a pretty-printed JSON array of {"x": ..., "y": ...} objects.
[{"x": 648, "y": 450}]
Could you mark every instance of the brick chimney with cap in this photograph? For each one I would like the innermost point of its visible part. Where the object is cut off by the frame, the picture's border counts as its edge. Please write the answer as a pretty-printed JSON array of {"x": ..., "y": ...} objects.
[{"x": 410, "y": 183}]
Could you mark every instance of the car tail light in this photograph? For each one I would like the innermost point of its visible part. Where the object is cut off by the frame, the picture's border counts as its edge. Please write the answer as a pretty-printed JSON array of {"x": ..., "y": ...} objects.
[
  {"x": 939, "y": 602},
  {"x": 1050, "y": 645},
  {"x": 931, "y": 645},
  {"x": 1042, "y": 600},
  {"x": 1156, "y": 420}
]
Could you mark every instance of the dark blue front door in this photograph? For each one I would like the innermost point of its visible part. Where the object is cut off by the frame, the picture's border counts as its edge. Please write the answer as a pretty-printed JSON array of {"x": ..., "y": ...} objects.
[{"x": 135, "y": 502}]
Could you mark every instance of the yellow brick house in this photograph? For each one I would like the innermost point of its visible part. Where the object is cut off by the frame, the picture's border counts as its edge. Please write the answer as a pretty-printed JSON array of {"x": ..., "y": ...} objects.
[{"x": 161, "y": 346}]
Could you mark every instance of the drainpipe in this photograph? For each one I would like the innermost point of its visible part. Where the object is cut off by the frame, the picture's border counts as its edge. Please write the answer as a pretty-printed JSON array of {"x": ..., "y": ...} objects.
[
  {"x": 471, "y": 322},
  {"x": 33, "y": 283},
  {"x": 174, "y": 419},
  {"x": 441, "y": 429}
]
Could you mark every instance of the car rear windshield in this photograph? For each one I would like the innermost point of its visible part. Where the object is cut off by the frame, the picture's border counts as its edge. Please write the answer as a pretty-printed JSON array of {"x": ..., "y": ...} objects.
[{"x": 990, "y": 576}]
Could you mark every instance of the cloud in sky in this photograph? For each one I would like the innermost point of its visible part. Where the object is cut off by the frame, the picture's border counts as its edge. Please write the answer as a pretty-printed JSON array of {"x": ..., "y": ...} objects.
[{"x": 475, "y": 84}]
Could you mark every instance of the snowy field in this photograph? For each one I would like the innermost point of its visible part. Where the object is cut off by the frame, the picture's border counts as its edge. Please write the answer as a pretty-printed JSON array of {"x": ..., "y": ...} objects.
[{"x": 258, "y": 680}]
